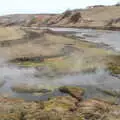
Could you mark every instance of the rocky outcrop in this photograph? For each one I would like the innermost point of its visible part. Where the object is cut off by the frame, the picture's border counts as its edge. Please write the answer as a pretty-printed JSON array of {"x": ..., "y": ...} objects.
[
  {"x": 75, "y": 17},
  {"x": 98, "y": 17}
]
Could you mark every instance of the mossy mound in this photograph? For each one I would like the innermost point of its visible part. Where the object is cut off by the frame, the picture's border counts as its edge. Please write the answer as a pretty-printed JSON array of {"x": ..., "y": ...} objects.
[
  {"x": 60, "y": 104},
  {"x": 115, "y": 69},
  {"x": 24, "y": 88},
  {"x": 75, "y": 17},
  {"x": 114, "y": 64},
  {"x": 66, "y": 14},
  {"x": 76, "y": 92}
]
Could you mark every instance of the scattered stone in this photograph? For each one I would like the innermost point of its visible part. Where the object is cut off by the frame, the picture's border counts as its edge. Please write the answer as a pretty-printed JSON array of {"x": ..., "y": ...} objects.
[{"x": 114, "y": 68}]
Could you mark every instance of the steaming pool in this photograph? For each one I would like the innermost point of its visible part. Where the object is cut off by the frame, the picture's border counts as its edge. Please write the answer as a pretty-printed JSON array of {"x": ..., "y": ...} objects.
[{"x": 11, "y": 75}]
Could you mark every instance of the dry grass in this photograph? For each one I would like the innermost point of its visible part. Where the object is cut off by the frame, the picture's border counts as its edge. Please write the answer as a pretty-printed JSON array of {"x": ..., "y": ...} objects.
[{"x": 10, "y": 33}]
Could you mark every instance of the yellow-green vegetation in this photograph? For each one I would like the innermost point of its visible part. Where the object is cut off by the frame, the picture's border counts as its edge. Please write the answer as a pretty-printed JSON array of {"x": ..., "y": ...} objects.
[
  {"x": 61, "y": 104},
  {"x": 74, "y": 91},
  {"x": 115, "y": 69},
  {"x": 114, "y": 64},
  {"x": 29, "y": 64},
  {"x": 87, "y": 62},
  {"x": 58, "y": 64},
  {"x": 55, "y": 63}
]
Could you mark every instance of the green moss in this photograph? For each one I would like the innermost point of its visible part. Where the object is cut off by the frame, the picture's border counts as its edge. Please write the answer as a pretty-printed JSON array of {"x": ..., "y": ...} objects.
[
  {"x": 115, "y": 69},
  {"x": 72, "y": 88},
  {"x": 114, "y": 64},
  {"x": 30, "y": 64},
  {"x": 60, "y": 103},
  {"x": 74, "y": 91},
  {"x": 59, "y": 65}
]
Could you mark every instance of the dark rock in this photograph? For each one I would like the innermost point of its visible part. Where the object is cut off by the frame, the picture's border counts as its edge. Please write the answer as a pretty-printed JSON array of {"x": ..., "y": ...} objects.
[
  {"x": 66, "y": 14},
  {"x": 75, "y": 17}
]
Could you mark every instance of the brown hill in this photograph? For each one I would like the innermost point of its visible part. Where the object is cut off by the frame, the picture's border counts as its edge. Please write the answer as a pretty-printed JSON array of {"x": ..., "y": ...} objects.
[
  {"x": 98, "y": 16},
  {"x": 91, "y": 17}
]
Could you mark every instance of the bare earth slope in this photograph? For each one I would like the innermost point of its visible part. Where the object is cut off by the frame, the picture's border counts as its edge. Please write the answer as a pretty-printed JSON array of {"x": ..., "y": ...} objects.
[
  {"x": 104, "y": 17},
  {"x": 97, "y": 17}
]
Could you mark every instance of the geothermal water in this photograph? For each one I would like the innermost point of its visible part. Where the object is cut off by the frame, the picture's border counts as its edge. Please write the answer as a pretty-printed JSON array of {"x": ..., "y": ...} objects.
[
  {"x": 111, "y": 38},
  {"x": 13, "y": 75}
]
